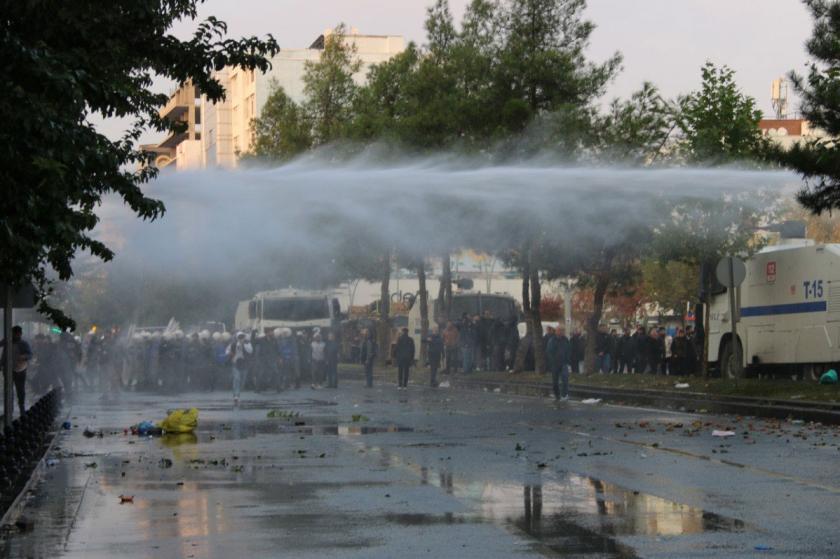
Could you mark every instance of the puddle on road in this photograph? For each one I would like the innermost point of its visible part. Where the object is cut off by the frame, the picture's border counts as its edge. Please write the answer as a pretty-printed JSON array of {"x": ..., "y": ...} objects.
[{"x": 566, "y": 513}]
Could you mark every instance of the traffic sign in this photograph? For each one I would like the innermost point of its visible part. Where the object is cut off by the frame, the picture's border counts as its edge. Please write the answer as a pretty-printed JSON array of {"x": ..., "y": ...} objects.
[{"x": 731, "y": 271}]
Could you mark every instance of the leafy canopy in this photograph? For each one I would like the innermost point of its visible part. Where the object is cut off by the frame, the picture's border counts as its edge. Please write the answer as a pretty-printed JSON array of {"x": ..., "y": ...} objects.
[
  {"x": 819, "y": 160},
  {"x": 64, "y": 62}
]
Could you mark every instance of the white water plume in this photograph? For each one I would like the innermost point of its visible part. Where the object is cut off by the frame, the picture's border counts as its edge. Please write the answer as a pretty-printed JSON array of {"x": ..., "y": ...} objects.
[{"x": 223, "y": 226}]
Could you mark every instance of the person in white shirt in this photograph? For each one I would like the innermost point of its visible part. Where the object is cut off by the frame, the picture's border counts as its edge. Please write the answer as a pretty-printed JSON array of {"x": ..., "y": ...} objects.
[
  {"x": 319, "y": 359},
  {"x": 238, "y": 353}
]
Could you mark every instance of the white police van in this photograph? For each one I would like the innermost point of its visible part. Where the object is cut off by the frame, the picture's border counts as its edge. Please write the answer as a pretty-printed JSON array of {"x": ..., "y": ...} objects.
[
  {"x": 296, "y": 309},
  {"x": 788, "y": 311}
]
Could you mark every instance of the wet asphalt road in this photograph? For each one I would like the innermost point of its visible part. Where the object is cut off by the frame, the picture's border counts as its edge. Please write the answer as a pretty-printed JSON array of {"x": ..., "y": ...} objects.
[{"x": 431, "y": 473}]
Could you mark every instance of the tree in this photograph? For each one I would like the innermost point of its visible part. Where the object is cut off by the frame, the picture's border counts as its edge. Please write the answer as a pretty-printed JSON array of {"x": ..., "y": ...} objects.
[
  {"x": 719, "y": 123},
  {"x": 819, "y": 160},
  {"x": 542, "y": 59},
  {"x": 671, "y": 285},
  {"x": 88, "y": 59},
  {"x": 635, "y": 131},
  {"x": 283, "y": 130},
  {"x": 329, "y": 87}
]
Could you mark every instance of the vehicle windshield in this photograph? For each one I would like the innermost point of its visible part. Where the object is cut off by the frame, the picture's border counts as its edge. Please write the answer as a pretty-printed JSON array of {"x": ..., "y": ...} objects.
[{"x": 295, "y": 309}]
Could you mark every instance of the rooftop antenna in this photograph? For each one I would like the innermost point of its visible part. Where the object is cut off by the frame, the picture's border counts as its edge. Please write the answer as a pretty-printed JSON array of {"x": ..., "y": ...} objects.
[{"x": 779, "y": 98}]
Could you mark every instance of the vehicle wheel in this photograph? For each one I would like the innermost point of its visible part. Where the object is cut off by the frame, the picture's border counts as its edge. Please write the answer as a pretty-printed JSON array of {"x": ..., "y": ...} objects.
[{"x": 730, "y": 364}]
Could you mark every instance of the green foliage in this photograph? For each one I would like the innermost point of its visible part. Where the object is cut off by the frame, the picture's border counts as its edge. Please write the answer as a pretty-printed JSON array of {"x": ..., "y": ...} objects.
[
  {"x": 670, "y": 284},
  {"x": 719, "y": 123},
  {"x": 636, "y": 130},
  {"x": 283, "y": 130},
  {"x": 819, "y": 160},
  {"x": 62, "y": 63},
  {"x": 329, "y": 87}
]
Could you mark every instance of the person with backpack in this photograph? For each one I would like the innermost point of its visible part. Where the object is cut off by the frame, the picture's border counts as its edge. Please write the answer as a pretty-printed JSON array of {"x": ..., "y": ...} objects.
[{"x": 238, "y": 353}]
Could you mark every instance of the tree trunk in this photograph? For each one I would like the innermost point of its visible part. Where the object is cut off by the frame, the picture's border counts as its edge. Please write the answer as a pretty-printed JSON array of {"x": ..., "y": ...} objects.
[
  {"x": 445, "y": 288},
  {"x": 536, "y": 321},
  {"x": 601, "y": 283},
  {"x": 384, "y": 334},
  {"x": 522, "y": 350},
  {"x": 424, "y": 309}
]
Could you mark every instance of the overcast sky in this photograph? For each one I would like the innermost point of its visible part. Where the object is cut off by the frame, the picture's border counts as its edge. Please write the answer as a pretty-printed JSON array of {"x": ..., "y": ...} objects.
[{"x": 663, "y": 41}]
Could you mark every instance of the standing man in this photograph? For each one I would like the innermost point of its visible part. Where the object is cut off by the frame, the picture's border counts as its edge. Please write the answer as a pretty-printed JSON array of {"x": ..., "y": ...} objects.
[
  {"x": 641, "y": 350},
  {"x": 578, "y": 346},
  {"x": 547, "y": 340},
  {"x": 319, "y": 359},
  {"x": 404, "y": 355},
  {"x": 288, "y": 360},
  {"x": 434, "y": 343},
  {"x": 560, "y": 370},
  {"x": 238, "y": 353},
  {"x": 331, "y": 350},
  {"x": 678, "y": 363},
  {"x": 21, "y": 355},
  {"x": 451, "y": 339},
  {"x": 368, "y": 355},
  {"x": 602, "y": 350}
]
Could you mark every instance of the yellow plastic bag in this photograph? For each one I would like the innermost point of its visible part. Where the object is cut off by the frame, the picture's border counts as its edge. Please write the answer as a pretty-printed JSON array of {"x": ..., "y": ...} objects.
[{"x": 180, "y": 421}]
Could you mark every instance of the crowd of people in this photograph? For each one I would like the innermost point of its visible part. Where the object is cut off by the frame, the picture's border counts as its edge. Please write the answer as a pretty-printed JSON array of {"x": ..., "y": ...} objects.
[{"x": 282, "y": 359}]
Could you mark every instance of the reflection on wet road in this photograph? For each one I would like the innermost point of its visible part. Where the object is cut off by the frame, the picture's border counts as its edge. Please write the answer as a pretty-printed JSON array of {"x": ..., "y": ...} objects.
[{"x": 371, "y": 474}]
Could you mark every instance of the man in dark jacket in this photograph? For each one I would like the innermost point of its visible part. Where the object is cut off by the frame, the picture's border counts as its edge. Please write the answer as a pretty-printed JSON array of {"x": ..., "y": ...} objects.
[
  {"x": 21, "y": 355},
  {"x": 368, "y": 356},
  {"x": 602, "y": 350},
  {"x": 547, "y": 339},
  {"x": 626, "y": 350},
  {"x": 679, "y": 354},
  {"x": 434, "y": 352},
  {"x": 404, "y": 355},
  {"x": 640, "y": 340},
  {"x": 578, "y": 344},
  {"x": 559, "y": 350}
]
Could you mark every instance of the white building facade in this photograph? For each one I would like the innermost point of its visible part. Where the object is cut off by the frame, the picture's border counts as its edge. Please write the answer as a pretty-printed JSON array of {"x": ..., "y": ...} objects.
[{"x": 227, "y": 125}]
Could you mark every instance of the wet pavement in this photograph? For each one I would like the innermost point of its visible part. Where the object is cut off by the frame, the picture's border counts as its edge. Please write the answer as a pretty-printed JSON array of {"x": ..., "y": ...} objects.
[{"x": 430, "y": 473}]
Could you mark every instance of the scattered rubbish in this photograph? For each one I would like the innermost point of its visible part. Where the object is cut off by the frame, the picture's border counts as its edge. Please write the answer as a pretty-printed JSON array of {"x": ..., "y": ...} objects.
[
  {"x": 165, "y": 463},
  {"x": 591, "y": 401},
  {"x": 145, "y": 428},
  {"x": 763, "y": 548},
  {"x": 797, "y": 422},
  {"x": 180, "y": 421},
  {"x": 444, "y": 384},
  {"x": 91, "y": 465},
  {"x": 542, "y": 465},
  {"x": 497, "y": 390},
  {"x": 126, "y": 499},
  {"x": 283, "y": 414},
  {"x": 829, "y": 377},
  {"x": 90, "y": 433},
  {"x": 180, "y": 483},
  {"x": 682, "y": 385},
  {"x": 719, "y": 433},
  {"x": 357, "y": 417},
  {"x": 66, "y": 425},
  {"x": 52, "y": 462},
  {"x": 797, "y": 397},
  {"x": 519, "y": 448}
]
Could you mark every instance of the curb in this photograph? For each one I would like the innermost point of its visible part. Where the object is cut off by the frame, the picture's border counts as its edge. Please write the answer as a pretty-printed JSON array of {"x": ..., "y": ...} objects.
[{"x": 823, "y": 412}]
